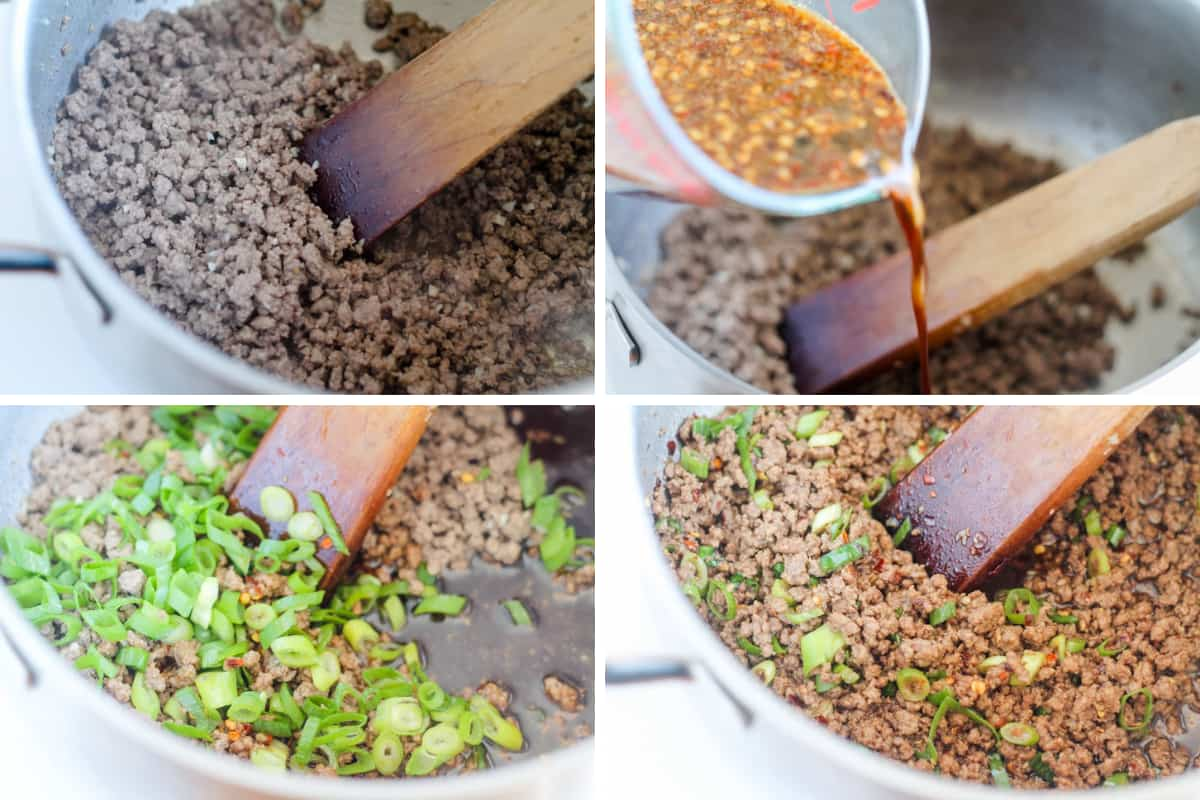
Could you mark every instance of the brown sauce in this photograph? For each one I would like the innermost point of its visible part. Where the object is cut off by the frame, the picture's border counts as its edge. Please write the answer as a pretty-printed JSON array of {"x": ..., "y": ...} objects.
[{"x": 783, "y": 99}]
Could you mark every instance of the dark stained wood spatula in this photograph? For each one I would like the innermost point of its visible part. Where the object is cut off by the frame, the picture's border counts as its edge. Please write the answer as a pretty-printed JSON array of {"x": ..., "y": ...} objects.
[
  {"x": 995, "y": 260},
  {"x": 980, "y": 495},
  {"x": 431, "y": 120},
  {"x": 351, "y": 455}
]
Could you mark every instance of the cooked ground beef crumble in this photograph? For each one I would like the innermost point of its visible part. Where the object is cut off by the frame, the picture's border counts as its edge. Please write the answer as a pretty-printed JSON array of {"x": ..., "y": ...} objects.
[{"x": 881, "y": 604}]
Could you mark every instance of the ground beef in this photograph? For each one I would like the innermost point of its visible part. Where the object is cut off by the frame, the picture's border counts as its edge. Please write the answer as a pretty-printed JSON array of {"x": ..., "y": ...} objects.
[
  {"x": 433, "y": 514},
  {"x": 441, "y": 505},
  {"x": 178, "y": 153},
  {"x": 881, "y": 603},
  {"x": 377, "y": 14},
  {"x": 728, "y": 275},
  {"x": 562, "y": 694}
]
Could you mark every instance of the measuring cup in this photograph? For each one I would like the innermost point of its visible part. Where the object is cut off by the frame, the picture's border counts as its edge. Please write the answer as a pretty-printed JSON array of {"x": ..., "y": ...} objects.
[{"x": 647, "y": 147}]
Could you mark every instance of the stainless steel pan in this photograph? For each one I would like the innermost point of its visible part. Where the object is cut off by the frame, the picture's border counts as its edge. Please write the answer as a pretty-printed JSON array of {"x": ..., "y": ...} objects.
[
  {"x": 49, "y": 40},
  {"x": 134, "y": 758},
  {"x": 776, "y": 740},
  {"x": 1070, "y": 79}
]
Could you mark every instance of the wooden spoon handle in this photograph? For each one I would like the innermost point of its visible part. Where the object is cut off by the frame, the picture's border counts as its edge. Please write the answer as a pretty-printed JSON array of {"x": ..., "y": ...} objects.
[
  {"x": 352, "y": 455},
  {"x": 978, "y": 498},
  {"x": 431, "y": 120},
  {"x": 996, "y": 259}
]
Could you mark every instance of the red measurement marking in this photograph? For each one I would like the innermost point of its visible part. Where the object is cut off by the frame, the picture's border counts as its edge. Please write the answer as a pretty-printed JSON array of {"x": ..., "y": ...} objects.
[{"x": 863, "y": 5}]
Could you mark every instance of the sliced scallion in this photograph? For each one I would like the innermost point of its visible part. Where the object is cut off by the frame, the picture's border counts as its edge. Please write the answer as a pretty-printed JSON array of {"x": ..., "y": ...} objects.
[
  {"x": 1020, "y": 734},
  {"x": 694, "y": 463},
  {"x": 1147, "y": 716},
  {"x": 912, "y": 684}
]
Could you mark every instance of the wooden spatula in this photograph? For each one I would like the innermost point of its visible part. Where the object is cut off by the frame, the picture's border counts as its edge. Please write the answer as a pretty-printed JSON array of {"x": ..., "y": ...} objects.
[
  {"x": 434, "y": 118},
  {"x": 979, "y": 496},
  {"x": 350, "y": 454},
  {"x": 996, "y": 259}
]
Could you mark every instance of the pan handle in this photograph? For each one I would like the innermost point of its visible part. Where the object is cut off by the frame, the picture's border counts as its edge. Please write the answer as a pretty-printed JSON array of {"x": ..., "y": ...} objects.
[
  {"x": 12, "y": 660},
  {"x": 649, "y": 670},
  {"x": 19, "y": 258}
]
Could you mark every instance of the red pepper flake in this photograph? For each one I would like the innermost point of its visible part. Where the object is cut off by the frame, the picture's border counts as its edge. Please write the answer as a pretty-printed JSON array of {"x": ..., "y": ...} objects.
[
  {"x": 233, "y": 663},
  {"x": 929, "y": 479},
  {"x": 1051, "y": 658},
  {"x": 326, "y": 543},
  {"x": 878, "y": 565},
  {"x": 671, "y": 447}
]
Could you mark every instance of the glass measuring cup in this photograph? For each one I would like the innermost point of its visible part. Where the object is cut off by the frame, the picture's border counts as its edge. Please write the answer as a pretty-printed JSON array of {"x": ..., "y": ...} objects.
[{"x": 647, "y": 147}]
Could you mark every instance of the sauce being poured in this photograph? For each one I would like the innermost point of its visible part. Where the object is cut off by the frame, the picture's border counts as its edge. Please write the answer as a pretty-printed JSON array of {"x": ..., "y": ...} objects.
[{"x": 782, "y": 98}]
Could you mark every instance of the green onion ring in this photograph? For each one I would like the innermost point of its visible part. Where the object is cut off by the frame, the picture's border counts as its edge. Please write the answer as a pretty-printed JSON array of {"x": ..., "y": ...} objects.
[
  {"x": 715, "y": 587},
  {"x": 1148, "y": 716}
]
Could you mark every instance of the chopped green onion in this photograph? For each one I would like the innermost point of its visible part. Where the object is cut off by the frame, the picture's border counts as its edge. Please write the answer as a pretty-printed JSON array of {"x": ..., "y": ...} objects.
[
  {"x": 202, "y": 611},
  {"x": 1076, "y": 645},
  {"x": 1020, "y": 734},
  {"x": 942, "y": 613},
  {"x": 912, "y": 684},
  {"x": 298, "y": 602},
  {"x": 763, "y": 500},
  {"x": 827, "y": 439},
  {"x": 259, "y": 616},
  {"x": 495, "y": 727},
  {"x": 991, "y": 662},
  {"x": 531, "y": 477},
  {"x": 749, "y": 646},
  {"x": 247, "y": 707},
  {"x": 1115, "y": 535},
  {"x": 388, "y": 752},
  {"x": 694, "y": 463},
  {"x": 1097, "y": 562},
  {"x": 321, "y": 509},
  {"x": 470, "y": 727},
  {"x": 694, "y": 585},
  {"x": 295, "y": 651},
  {"x": 715, "y": 588},
  {"x": 1116, "y": 779},
  {"x": 876, "y": 491},
  {"x": 517, "y": 612},
  {"x": 327, "y": 671},
  {"x": 557, "y": 545},
  {"x": 902, "y": 532},
  {"x": 930, "y": 752},
  {"x": 217, "y": 689},
  {"x": 804, "y": 616},
  {"x": 143, "y": 698},
  {"x": 272, "y": 757},
  {"x": 188, "y": 731},
  {"x": 277, "y": 503},
  {"x": 846, "y": 554},
  {"x": 305, "y": 526},
  {"x": 999, "y": 772},
  {"x": 819, "y": 647},
  {"x": 450, "y": 605},
  {"x": 765, "y": 670},
  {"x": 825, "y": 517},
  {"x": 1061, "y": 618},
  {"x": 810, "y": 423},
  {"x": 393, "y": 612},
  {"x": 1012, "y": 612},
  {"x": 402, "y": 716},
  {"x": 1109, "y": 650},
  {"x": 1091, "y": 523},
  {"x": 135, "y": 658},
  {"x": 431, "y": 696},
  {"x": 359, "y": 634},
  {"x": 1032, "y": 662},
  {"x": 160, "y": 530},
  {"x": 105, "y": 623}
]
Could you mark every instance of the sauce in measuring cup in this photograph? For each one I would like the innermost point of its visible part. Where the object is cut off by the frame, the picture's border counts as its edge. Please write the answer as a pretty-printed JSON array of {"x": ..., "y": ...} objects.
[{"x": 782, "y": 98}]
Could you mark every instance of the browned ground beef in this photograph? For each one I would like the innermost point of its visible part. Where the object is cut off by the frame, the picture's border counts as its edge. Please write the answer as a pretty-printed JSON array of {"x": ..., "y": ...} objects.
[
  {"x": 432, "y": 515},
  {"x": 727, "y": 277},
  {"x": 178, "y": 153},
  {"x": 881, "y": 603}
]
